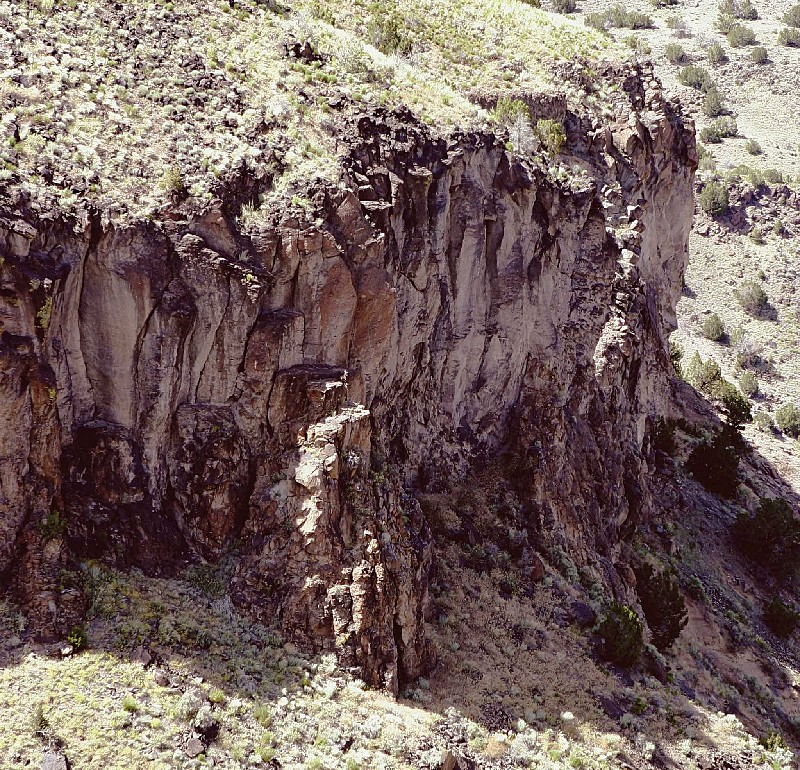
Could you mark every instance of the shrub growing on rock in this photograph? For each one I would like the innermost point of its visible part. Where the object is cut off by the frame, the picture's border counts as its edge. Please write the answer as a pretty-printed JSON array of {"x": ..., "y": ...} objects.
[
  {"x": 759, "y": 55},
  {"x": 551, "y": 135},
  {"x": 715, "y": 464},
  {"x": 622, "y": 634},
  {"x": 735, "y": 406},
  {"x": 662, "y": 604},
  {"x": 763, "y": 422},
  {"x": 703, "y": 375},
  {"x": 770, "y": 535},
  {"x": 781, "y": 618}
]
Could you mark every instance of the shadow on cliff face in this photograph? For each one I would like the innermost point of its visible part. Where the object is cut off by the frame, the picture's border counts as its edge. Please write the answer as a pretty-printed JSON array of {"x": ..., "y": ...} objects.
[{"x": 173, "y": 673}]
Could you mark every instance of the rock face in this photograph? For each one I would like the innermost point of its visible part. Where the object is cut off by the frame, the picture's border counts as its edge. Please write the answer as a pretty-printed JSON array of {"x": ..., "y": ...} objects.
[{"x": 172, "y": 388}]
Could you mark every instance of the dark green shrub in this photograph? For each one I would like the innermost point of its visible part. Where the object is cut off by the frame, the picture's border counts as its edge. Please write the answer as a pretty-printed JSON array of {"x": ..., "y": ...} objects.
[
  {"x": 564, "y": 6},
  {"x": 622, "y": 634},
  {"x": 664, "y": 436},
  {"x": 662, "y": 604},
  {"x": 675, "y": 357},
  {"x": 713, "y": 329},
  {"x": 740, "y": 35},
  {"x": 716, "y": 465},
  {"x": 792, "y": 17},
  {"x": 713, "y": 198},
  {"x": 752, "y": 298},
  {"x": 759, "y": 55},
  {"x": 713, "y": 105},
  {"x": 675, "y": 53},
  {"x": 735, "y": 406},
  {"x": 770, "y": 536},
  {"x": 787, "y": 418},
  {"x": 715, "y": 53},
  {"x": 789, "y": 36},
  {"x": 54, "y": 525},
  {"x": 781, "y": 618}
]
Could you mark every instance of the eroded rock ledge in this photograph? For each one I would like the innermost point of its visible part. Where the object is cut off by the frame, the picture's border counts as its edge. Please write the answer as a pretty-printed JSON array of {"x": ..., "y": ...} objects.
[{"x": 173, "y": 390}]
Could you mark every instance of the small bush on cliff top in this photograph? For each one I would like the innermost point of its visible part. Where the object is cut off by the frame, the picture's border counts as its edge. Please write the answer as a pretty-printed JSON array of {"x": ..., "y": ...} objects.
[{"x": 623, "y": 635}]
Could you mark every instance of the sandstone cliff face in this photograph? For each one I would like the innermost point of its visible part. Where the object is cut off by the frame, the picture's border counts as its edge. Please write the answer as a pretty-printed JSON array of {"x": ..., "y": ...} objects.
[{"x": 175, "y": 390}]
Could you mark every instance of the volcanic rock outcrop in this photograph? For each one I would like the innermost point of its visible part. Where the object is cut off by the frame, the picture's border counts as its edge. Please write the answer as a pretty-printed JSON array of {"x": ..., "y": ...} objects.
[{"x": 179, "y": 389}]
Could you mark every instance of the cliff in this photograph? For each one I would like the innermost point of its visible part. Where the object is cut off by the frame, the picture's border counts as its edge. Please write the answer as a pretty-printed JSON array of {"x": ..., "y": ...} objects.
[{"x": 184, "y": 388}]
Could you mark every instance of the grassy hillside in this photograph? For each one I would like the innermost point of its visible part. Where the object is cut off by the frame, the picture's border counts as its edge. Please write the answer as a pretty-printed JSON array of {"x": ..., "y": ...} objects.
[{"x": 126, "y": 106}]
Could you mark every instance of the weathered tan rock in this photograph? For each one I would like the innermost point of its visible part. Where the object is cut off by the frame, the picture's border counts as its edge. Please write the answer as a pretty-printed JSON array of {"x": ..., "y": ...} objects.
[{"x": 290, "y": 389}]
